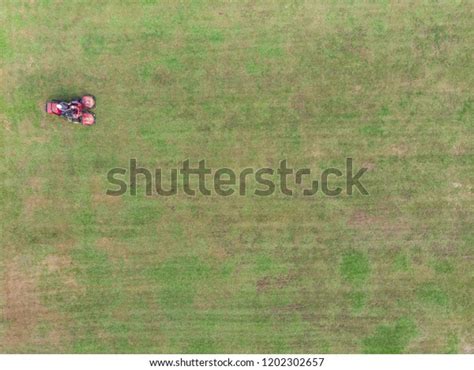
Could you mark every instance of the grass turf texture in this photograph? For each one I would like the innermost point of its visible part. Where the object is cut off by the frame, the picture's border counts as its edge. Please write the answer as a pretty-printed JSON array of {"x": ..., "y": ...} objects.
[{"x": 239, "y": 85}]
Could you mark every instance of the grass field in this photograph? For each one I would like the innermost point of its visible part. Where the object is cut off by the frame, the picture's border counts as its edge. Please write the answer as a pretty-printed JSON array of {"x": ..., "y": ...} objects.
[{"x": 238, "y": 84}]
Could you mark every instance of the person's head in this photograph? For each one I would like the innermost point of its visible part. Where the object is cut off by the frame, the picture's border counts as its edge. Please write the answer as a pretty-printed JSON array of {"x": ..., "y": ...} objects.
[{"x": 88, "y": 101}]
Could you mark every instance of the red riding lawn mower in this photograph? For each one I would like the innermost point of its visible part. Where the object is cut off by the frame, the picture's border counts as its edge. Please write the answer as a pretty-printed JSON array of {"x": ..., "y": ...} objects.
[{"x": 75, "y": 111}]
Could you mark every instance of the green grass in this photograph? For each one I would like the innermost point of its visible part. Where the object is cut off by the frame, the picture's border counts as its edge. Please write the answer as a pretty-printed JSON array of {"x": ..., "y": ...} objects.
[
  {"x": 391, "y": 338},
  {"x": 355, "y": 267},
  {"x": 240, "y": 85}
]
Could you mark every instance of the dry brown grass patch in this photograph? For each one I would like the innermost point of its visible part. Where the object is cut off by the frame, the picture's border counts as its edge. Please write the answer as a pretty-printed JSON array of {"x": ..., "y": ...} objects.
[
  {"x": 22, "y": 304},
  {"x": 33, "y": 203}
]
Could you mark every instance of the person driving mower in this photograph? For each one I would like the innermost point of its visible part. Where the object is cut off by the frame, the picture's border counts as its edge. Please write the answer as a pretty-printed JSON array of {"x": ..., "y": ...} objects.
[
  {"x": 72, "y": 111},
  {"x": 75, "y": 111}
]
